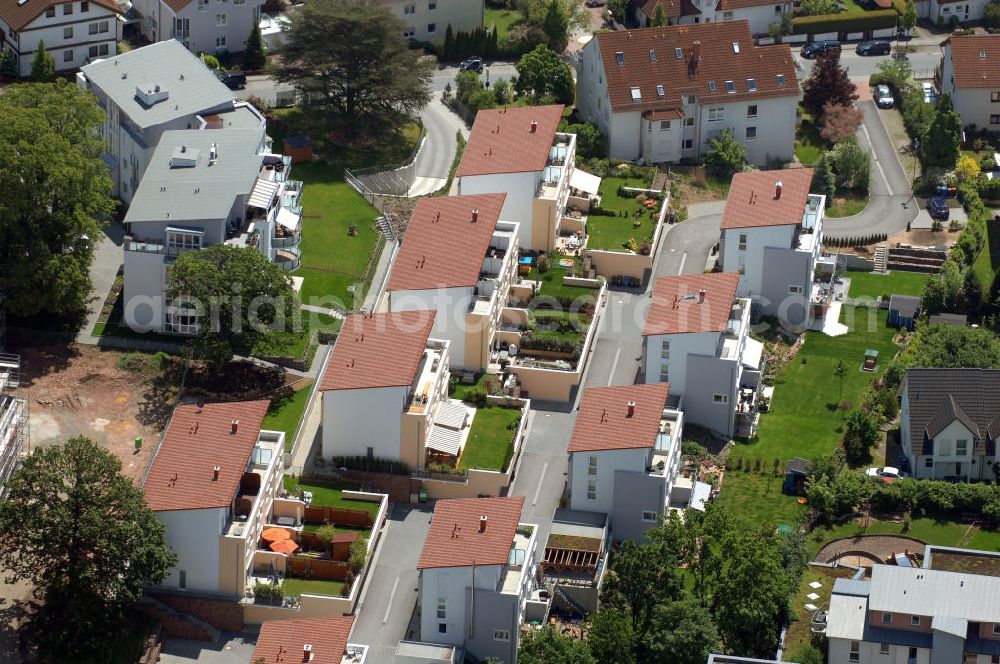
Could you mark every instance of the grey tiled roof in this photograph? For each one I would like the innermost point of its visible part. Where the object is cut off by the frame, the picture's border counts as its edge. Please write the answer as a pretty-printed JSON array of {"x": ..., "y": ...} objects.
[
  {"x": 938, "y": 397},
  {"x": 906, "y": 305}
]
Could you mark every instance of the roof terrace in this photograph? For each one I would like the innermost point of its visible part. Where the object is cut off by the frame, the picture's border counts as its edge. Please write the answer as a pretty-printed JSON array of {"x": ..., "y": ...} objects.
[{"x": 513, "y": 577}]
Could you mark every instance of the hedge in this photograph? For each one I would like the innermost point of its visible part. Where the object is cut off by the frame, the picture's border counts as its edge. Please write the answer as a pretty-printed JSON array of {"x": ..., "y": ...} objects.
[
  {"x": 874, "y": 20},
  {"x": 937, "y": 498}
]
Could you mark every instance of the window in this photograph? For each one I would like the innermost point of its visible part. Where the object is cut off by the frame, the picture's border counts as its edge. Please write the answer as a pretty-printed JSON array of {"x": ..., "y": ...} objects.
[
  {"x": 777, "y": 9},
  {"x": 592, "y": 490},
  {"x": 182, "y": 579},
  {"x": 84, "y": 7},
  {"x": 432, "y": 28},
  {"x": 736, "y": 47},
  {"x": 995, "y": 659},
  {"x": 182, "y": 240},
  {"x": 929, "y": 462},
  {"x": 203, "y": 5},
  {"x": 664, "y": 373},
  {"x": 751, "y": 134},
  {"x": 720, "y": 398},
  {"x": 431, "y": 6},
  {"x": 652, "y": 55},
  {"x": 501, "y": 635},
  {"x": 103, "y": 27},
  {"x": 688, "y": 122},
  {"x": 239, "y": 2},
  {"x": 752, "y": 84},
  {"x": 752, "y": 111},
  {"x": 620, "y": 57},
  {"x": 687, "y": 144},
  {"x": 664, "y": 350},
  {"x": 636, "y": 94},
  {"x": 67, "y": 9},
  {"x": 886, "y": 618},
  {"x": 50, "y": 12},
  {"x": 996, "y": 628},
  {"x": 995, "y": 97},
  {"x": 883, "y": 648},
  {"x": 943, "y": 448},
  {"x": 995, "y": 119},
  {"x": 659, "y": 91},
  {"x": 92, "y": 29},
  {"x": 220, "y": 42},
  {"x": 370, "y": 452},
  {"x": 664, "y": 125},
  {"x": 855, "y": 654},
  {"x": 961, "y": 447},
  {"x": 795, "y": 290},
  {"x": 730, "y": 87},
  {"x": 690, "y": 99},
  {"x": 728, "y": 16},
  {"x": 408, "y": 34},
  {"x": 221, "y": 20},
  {"x": 780, "y": 78},
  {"x": 741, "y": 267},
  {"x": 442, "y": 628},
  {"x": 913, "y": 655},
  {"x": 648, "y": 516},
  {"x": 717, "y": 114},
  {"x": 68, "y": 55},
  {"x": 409, "y": 9},
  {"x": 679, "y": 53},
  {"x": 92, "y": 52},
  {"x": 915, "y": 621},
  {"x": 68, "y": 32},
  {"x": 592, "y": 466},
  {"x": 711, "y": 86},
  {"x": 442, "y": 608},
  {"x": 743, "y": 242}
]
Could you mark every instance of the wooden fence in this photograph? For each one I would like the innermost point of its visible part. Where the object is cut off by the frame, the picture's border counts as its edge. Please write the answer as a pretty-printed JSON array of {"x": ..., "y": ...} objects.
[
  {"x": 316, "y": 568},
  {"x": 338, "y": 515}
]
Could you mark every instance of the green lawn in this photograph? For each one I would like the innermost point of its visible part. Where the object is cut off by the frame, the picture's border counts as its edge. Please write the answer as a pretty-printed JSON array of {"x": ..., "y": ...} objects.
[
  {"x": 803, "y": 417},
  {"x": 284, "y": 414},
  {"x": 898, "y": 282},
  {"x": 503, "y": 19},
  {"x": 853, "y": 7},
  {"x": 552, "y": 283},
  {"x": 847, "y": 205},
  {"x": 612, "y": 233},
  {"x": 459, "y": 390},
  {"x": 799, "y": 633},
  {"x": 945, "y": 533},
  {"x": 490, "y": 442},
  {"x": 988, "y": 262},
  {"x": 329, "y": 497},
  {"x": 332, "y": 260},
  {"x": 809, "y": 145},
  {"x": 293, "y": 587}
]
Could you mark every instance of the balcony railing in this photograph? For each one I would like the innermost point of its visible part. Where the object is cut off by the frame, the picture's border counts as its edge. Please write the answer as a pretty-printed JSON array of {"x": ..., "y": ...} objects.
[
  {"x": 287, "y": 241},
  {"x": 288, "y": 259},
  {"x": 154, "y": 247}
]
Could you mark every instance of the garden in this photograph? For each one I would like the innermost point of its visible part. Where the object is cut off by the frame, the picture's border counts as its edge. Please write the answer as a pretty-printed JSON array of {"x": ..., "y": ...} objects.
[
  {"x": 624, "y": 221},
  {"x": 490, "y": 445},
  {"x": 285, "y": 412}
]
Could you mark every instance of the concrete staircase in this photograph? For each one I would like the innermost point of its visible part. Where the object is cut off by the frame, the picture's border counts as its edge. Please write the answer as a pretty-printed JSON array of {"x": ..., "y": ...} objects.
[
  {"x": 386, "y": 228},
  {"x": 881, "y": 258},
  {"x": 178, "y": 624},
  {"x": 568, "y": 601}
]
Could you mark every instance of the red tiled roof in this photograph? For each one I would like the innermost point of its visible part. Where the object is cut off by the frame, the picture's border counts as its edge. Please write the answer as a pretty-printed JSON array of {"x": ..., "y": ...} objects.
[
  {"x": 197, "y": 440},
  {"x": 18, "y": 15},
  {"x": 727, "y": 5},
  {"x": 677, "y": 307},
  {"x": 502, "y": 140},
  {"x": 752, "y": 199},
  {"x": 971, "y": 70},
  {"x": 378, "y": 350},
  {"x": 671, "y": 8},
  {"x": 717, "y": 63},
  {"x": 454, "y": 539},
  {"x": 667, "y": 114},
  {"x": 443, "y": 246},
  {"x": 603, "y": 422},
  {"x": 282, "y": 640}
]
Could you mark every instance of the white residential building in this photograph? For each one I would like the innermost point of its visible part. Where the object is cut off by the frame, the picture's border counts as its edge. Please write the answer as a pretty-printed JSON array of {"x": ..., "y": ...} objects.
[
  {"x": 458, "y": 259},
  {"x": 202, "y": 26},
  {"x": 772, "y": 236},
  {"x": 428, "y": 20},
  {"x": 520, "y": 152},
  {"x": 146, "y": 92},
  {"x": 13, "y": 417},
  {"x": 661, "y": 95},
  {"x": 950, "y": 422},
  {"x": 477, "y": 575},
  {"x": 202, "y": 188},
  {"x": 624, "y": 456},
  {"x": 970, "y": 73},
  {"x": 760, "y": 13},
  {"x": 214, "y": 483},
  {"x": 943, "y": 12},
  {"x": 74, "y": 33}
]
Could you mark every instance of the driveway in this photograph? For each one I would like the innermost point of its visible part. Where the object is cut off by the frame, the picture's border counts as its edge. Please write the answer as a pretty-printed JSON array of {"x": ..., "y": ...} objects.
[{"x": 108, "y": 257}]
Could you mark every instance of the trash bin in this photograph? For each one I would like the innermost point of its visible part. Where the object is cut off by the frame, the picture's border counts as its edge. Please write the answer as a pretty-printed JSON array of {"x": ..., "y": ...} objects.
[{"x": 138, "y": 443}]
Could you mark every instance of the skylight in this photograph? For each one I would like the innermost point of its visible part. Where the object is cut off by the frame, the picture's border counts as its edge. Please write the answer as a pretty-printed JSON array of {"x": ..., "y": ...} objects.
[
  {"x": 711, "y": 86},
  {"x": 982, "y": 54},
  {"x": 620, "y": 57},
  {"x": 730, "y": 87},
  {"x": 636, "y": 94},
  {"x": 659, "y": 91},
  {"x": 679, "y": 53},
  {"x": 652, "y": 55},
  {"x": 736, "y": 47},
  {"x": 752, "y": 84},
  {"x": 781, "y": 79}
]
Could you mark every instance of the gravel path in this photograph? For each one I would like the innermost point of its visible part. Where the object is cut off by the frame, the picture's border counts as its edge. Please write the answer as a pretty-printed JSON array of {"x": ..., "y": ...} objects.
[{"x": 876, "y": 546}]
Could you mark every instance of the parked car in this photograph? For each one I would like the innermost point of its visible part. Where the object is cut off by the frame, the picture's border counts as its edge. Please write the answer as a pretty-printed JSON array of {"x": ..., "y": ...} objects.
[
  {"x": 885, "y": 472},
  {"x": 810, "y": 51},
  {"x": 930, "y": 94},
  {"x": 877, "y": 47},
  {"x": 938, "y": 208},
  {"x": 472, "y": 64},
  {"x": 596, "y": 3},
  {"x": 234, "y": 80},
  {"x": 883, "y": 96}
]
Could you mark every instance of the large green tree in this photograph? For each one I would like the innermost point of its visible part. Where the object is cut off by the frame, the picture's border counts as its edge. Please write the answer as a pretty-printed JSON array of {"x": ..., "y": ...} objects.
[
  {"x": 555, "y": 25},
  {"x": 641, "y": 577},
  {"x": 547, "y": 646},
  {"x": 823, "y": 181},
  {"x": 254, "y": 57},
  {"x": 851, "y": 164},
  {"x": 726, "y": 156},
  {"x": 827, "y": 84},
  {"x": 947, "y": 346},
  {"x": 358, "y": 79},
  {"x": 940, "y": 146},
  {"x": 681, "y": 633},
  {"x": 542, "y": 73},
  {"x": 80, "y": 532},
  {"x": 619, "y": 10},
  {"x": 56, "y": 187},
  {"x": 242, "y": 299},
  {"x": 43, "y": 66},
  {"x": 612, "y": 639},
  {"x": 861, "y": 433}
]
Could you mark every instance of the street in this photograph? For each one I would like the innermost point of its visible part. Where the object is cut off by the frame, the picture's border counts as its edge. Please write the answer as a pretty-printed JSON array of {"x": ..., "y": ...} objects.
[{"x": 923, "y": 61}]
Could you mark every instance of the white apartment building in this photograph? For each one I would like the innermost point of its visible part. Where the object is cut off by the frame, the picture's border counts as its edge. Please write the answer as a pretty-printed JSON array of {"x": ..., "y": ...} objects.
[
  {"x": 13, "y": 417},
  {"x": 624, "y": 456},
  {"x": 476, "y": 575},
  {"x": 696, "y": 338},
  {"x": 661, "y": 95},
  {"x": 316, "y": 640},
  {"x": 202, "y": 26},
  {"x": 760, "y": 13},
  {"x": 144, "y": 93},
  {"x": 205, "y": 187},
  {"x": 74, "y": 33},
  {"x": 214, "y": 484},
  {"x": 520, "y": 152},
  {"x": 772, "y": 236},
  {"x": 950, "y": 422},
  {"x": 970, "y": 73},
  {"x": 428, "y": 20}
]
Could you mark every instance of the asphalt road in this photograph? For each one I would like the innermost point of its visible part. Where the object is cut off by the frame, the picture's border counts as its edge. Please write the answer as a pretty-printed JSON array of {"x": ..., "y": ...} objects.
[{"x": 924, "y": 60}]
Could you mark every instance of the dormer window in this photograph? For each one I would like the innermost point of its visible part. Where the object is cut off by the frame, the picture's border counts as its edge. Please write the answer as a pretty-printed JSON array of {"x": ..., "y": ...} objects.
[
  {"x": 711, "y": 86},
  {"x": 636, "y": 94},
  {"x": 620, "y": 57},
  {"x": 781, "y": 79},
  {"x": 659, "y": 91},
  {"x": 752, "y": 84},
  {"x": 982, "y": 54},
  {"x": 730, "y": 87},
  {"x": 679, "y": 53},
  {"x": 736, "y": 47},
  {"x": 652, "y": 55}
]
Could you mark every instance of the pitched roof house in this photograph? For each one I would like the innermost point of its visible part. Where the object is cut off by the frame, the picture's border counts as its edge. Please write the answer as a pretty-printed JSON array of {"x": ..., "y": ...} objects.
[
  {"x": 760, "y": 13},
  {"x": 970, "y": 73},
  {"x": 314, "y": 640}
]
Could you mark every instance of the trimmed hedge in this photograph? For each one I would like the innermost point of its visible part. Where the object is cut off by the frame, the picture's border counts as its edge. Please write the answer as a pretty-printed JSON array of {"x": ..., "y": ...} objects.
[{"x": 874, "y": 20}]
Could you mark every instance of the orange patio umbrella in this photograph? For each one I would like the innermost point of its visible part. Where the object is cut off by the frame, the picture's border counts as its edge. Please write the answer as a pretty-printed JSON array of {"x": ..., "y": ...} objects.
[
  {"x": 284, "y": 546},
  {"x": 275, "y": 535}
]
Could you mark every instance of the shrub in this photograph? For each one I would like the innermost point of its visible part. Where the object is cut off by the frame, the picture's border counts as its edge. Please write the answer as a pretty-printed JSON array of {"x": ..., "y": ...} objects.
[
  {"x": 542, "y": 263},
  {"x": 873, "y": 20},
  {"x": 210, "y": 61},
  {"x": 359, "y": 554},
  {"x": 693, "y": 450},
  {"x": 267, "y": 592},
  {"x": 325, "y": 535}
]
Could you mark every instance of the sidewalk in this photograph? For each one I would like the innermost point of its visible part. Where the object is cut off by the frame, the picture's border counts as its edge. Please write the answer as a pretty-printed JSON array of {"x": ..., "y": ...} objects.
[{"x": 108, "y": 257}]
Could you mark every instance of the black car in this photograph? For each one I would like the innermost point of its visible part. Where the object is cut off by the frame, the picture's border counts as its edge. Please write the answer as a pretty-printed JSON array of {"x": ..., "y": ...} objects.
[
  {"x": 472, "y": 64},
  {"x": 938, "y": 208},
  {"x": 234, "y": 80},
  {"x": 878, "y": 47},
  {"x": 816, "y": 48}
]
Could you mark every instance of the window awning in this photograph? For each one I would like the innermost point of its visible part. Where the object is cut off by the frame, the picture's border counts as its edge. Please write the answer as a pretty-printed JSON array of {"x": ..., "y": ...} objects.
[
  {"x": 700, "y": 494},
  {"x": 752, "y": 353},
  {"x": 262, "y": 194},
  {"x": 585, "y": 181},
  {"x": 445, "y": 440},
  {"x": 288, "y": 219}
]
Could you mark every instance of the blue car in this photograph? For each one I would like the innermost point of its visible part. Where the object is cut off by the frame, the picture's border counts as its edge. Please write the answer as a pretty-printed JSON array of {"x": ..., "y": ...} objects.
[{"x": 938, "y": 208}]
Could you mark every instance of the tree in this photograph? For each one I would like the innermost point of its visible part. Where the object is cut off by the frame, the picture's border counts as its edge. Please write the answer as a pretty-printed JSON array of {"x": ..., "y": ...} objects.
[
  {"x": 832, "y": 498},
  {"x": 908, "y": 19},
  {"x": 967, "y": 169},
  {"x": 659, "y": 16},
  {"x": 612, "y": 639},
  {"x": 555, "y": 25},
  {"x": 817, "y": 7},
  {"x": 943, "y": 290},
  {"x": 952, "y": 347},
  {"x": 993, "y": 15},
  {"x": 940, "y": 146},
  {"x": 808, "y": 654},
  {"x": 80, "y": 532},
  {"x": 240, "y": 297},
  {"x": 851, "y": 164},
  {"x": 503, "y": 90},
  {"x": 681, "y": 633},
  {"x": 840, "y": 371},
  {"x": 48, "y": 229},
  {"x": 590, "y": 142},
  {"x": 823, "y": 181},
  {"x": 698, "y": 541},
  {"x": 43, "y": 67},
  {"x": 619, "y": 10},
  {"x": 8, "y": 64},
  {"x": 356, "y": 76},
  {"x": 726, "y": 156},
  {"x": 642, "y": 577},
  {"x": 547, "y": 646},
  {"x": 840, "y": 122},
  {"x": 861, "y": 434},
  {"x": 828, "y": 84},
  {"x": 541, "y": 72},
  {"x": 449, "y": 43},
  {"x": 254, "y": 57}
]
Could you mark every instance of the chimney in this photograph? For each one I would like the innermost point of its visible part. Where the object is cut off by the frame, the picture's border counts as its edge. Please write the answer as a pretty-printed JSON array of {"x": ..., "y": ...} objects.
[
  {"x": 631, "y": 408},
  {"x": 534, "y": 126},
  {"x": 475, "y": 216},
  {"x": 482, "y": 523},
  {"x": 307, "y": 652},
  {"x": 777, "y": 190},
  {"x": 215, "y": 473},
  {"x": 236, "y": 427},
  {"x": 701, "y": 295}
]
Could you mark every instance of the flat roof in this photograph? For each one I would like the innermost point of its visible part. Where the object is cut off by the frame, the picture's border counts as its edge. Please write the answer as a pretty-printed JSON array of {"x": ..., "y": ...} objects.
[
  {"x": 679, "y": 307},
  {"x": 969, "y": 561},
  {"x": 197, "y": 439},
  {"x": 283, "y": 640},
  {"x": 603, "y": 422},
  {"x": 752, "y": 198},
  {"x": 510, "y": 140},
  {"x": 931, "y": 592},
  {"x": 456, "y": 539}
]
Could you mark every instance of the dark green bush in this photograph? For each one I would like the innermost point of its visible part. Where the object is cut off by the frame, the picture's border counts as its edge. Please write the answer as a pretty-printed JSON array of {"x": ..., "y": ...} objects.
[{"x": 873, "y": 20}]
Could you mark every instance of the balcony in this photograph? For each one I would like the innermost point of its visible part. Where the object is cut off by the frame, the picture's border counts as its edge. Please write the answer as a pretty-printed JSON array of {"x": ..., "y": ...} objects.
[
  {"x": 286, "y": 239},
  {"x": 518, "y": 569},
  {"x": 155, "y": 247},
  {"x": 429, "y": 386},
  {"x": 288, "y": 259}
]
